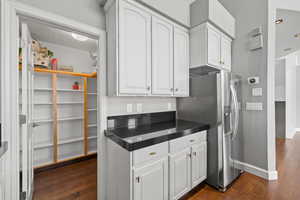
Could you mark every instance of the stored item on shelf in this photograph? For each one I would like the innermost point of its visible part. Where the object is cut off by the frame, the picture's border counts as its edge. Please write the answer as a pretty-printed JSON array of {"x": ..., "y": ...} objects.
[
  {"x": 35, "y": 46},
  {"x": 65, "y": 68},
  {"x": 54, "y": 63},
  {"x": 75, "y": 86},
  {"x": 42, "y": 55}
]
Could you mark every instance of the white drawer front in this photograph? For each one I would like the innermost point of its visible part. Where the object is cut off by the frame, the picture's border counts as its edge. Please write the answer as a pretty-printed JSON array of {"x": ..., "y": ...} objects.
[
  {"x": 186, "y": 141},
  {"x": 151, "y": 153}
]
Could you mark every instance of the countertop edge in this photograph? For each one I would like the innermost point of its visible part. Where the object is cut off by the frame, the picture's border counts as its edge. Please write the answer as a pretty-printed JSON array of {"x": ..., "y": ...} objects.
[
  {"x": 3, "y": 148},
  {"x": 143, "y": 144}
]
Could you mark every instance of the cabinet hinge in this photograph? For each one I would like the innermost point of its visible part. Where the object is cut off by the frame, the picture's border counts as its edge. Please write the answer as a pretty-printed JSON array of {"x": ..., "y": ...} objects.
[{"x": 23, "y": 119}]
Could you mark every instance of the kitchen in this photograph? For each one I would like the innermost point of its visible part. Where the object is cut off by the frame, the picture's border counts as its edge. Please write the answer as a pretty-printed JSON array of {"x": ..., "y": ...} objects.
[{"x": 149, "y": 92}]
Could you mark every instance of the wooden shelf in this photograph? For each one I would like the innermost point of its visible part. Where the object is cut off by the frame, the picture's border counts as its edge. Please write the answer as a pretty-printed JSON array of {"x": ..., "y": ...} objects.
[
  {"x": 59, "y": 90},
  {"x": 92, "y": 110},
  {"x": 92, "y": 75},
  {"x": 62, "y": 119},
  {"x": 92, "y": 93},
  {"x": 59, "y": 103},
  {"x": 92, "y": 125}
]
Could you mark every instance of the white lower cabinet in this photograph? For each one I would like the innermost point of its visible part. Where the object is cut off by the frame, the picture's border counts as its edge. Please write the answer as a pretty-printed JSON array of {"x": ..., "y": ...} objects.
[
  {"x": 163, "y": 171},
  {"x": 199, "y": 164},
  {"x": 151, "y": 181},
  {"x": 180, "y": 173}
]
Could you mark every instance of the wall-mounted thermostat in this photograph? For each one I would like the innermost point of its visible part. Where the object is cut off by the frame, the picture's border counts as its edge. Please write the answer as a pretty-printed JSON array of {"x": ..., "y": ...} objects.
[{"x": 253, "y": 80}]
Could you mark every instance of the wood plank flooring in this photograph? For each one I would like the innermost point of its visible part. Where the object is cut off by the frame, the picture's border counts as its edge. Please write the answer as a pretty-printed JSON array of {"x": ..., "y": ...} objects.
[
  {"x": 73, "y": 182},
  {"x": 78, "y": 181}
]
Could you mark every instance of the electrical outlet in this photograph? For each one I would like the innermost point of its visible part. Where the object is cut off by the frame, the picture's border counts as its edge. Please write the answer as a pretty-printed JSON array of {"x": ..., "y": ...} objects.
[
  {"x": 139, "y": 107},
  {"x": 129, "y": 108}
]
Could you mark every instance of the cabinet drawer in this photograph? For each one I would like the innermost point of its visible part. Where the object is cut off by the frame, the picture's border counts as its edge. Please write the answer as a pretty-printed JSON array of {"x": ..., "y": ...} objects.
[
  {"x": 186, "y": 141},
  {"x": 151, "y": 153}
]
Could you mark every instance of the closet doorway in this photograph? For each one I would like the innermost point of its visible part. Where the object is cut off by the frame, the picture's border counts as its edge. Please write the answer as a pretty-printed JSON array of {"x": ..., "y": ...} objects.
[{"x": 59, "y": 101}]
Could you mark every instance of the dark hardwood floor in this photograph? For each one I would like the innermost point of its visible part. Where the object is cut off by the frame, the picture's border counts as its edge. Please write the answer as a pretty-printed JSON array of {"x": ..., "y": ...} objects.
[
  {"x": 78, "y": 181},
  {"x": 73, "y": 182},
  {"x": 250, "y": 187}
]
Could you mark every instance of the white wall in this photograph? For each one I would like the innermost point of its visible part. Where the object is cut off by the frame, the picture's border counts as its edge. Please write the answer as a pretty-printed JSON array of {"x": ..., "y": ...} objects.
[
  {"x": 288, "y": 4},
  {"x": 298, "y": 98},
  {"x": 78, "y": 59},
  {"x": 280, "y": 74},
  {"x": 291, "y": 94}
]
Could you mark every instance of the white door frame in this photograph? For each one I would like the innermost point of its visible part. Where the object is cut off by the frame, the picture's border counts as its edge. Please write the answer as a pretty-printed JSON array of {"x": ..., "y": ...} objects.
[{"x": 10, "y": 10}]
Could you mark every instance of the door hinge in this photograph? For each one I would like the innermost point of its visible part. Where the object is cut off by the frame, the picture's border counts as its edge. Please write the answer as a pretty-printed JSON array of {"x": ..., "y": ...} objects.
[
  {"x": 23, "y": 119},
  {"x": 22, "y": 43},
  {"x": 23, "y": 195}
]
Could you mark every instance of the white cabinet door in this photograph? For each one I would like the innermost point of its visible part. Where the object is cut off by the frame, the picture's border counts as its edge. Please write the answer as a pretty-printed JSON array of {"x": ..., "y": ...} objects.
[
  {"x": 180, "y": 174},
  {"x": 162, "y": 57},
  {"x": 199, "y": 163},
  {"x": 181, "y": 62},
  {"x": 226, "y": 52},
  {"x": 214, "y": 47},
  {"x": 151, "y": 181},
  {"x": 134, "y": 50}
]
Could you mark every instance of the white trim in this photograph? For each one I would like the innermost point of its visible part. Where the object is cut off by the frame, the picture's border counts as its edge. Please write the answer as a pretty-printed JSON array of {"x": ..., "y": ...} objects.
[
  {"x": 297, "y": 130},
  {"x": 271, "y": 137},
  {"x": 268, "y": 175},
  {"x": 10, "y": 10}
]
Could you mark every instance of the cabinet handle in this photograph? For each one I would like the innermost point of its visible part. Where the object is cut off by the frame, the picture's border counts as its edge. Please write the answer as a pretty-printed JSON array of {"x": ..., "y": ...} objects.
[
  {"x": 192, "y": 140},
  {"x": 189, "y": 155},
  {"x": 138, "y": 179},
  {"x": 195, "y": 153},
  {"x": 148, "y": 88},
  {"x": 152, "y": 153},
  {"x": 171, "y": 89},
  {"x": 176, "y": 90}
]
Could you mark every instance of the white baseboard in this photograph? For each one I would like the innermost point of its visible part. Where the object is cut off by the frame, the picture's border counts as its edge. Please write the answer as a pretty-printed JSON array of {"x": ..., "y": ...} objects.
[{"x": 268, "y": 175}]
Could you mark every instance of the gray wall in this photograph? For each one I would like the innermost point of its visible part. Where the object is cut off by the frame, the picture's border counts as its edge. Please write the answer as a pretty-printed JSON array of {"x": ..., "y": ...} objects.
[
  {"x": 280, "y": 119},
  {"x": 250, "y": 15}
]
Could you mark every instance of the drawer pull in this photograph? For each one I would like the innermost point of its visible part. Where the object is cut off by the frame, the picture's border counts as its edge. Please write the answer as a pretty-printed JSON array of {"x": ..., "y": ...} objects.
[
  {"x": 152, "y": 153},
  {"x": 195, "y": 153},
  {"x": 192, "y": 140}
]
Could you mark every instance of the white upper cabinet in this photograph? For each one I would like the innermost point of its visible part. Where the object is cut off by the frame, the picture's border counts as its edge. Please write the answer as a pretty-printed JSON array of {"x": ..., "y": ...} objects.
[
  {"x": 151, "y": 181},
  {"x": 181, "y": 62},
  {"x": 162, "y": 57},
  {"x": 148, "y": 55},
  {"x": 134, "y": 50},
  {"x": 213, "y": 47},
  {"x": 226, "y": 52},
  {"x": 210, "y": 47}
]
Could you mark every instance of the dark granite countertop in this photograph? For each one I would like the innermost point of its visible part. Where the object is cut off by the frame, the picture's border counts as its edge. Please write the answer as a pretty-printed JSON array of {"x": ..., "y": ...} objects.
[{"x": 151, "y": 134}]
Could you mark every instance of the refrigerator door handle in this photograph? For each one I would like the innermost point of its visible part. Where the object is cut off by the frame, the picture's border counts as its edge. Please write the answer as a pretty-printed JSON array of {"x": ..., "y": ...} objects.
[{"x": 236, "y": 111}]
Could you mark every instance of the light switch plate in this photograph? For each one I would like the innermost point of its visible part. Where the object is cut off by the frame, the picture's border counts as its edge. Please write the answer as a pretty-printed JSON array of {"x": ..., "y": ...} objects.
[
  {"x": 129, "y": 108},
  {"x": 254, "y": 106},
  {"x": 139, "y": 107},
  {"x": 257, "y": 92}
]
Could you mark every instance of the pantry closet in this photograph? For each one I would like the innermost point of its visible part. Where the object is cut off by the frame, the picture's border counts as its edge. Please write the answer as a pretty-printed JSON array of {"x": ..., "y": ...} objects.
[{"x": 61, "y": 68}]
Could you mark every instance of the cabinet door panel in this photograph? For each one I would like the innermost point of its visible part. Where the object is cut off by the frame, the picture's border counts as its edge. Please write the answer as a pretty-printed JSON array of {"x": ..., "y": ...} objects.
[
  {"x": 180, "y": 175},
  {"x": 162, "y": 57},
  {"x": 181, "y": 63},
  {"x": 134, "y": 50},
  {"x": 199, "y": 163},
  {"x": 226, "y": 53},
  {"x": 214, "y": 47},
  {"x": 151, "y": 181}
]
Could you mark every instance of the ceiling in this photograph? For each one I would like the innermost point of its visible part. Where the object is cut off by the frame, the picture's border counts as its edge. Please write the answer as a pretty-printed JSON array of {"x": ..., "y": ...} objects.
[
  {"x": 46, "y": 33},
  {"x": 285, "y": 32}
]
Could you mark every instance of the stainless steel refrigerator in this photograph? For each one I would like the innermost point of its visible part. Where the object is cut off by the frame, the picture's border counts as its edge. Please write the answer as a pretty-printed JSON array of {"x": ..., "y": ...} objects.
[{"x": 216, "y": 99}]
